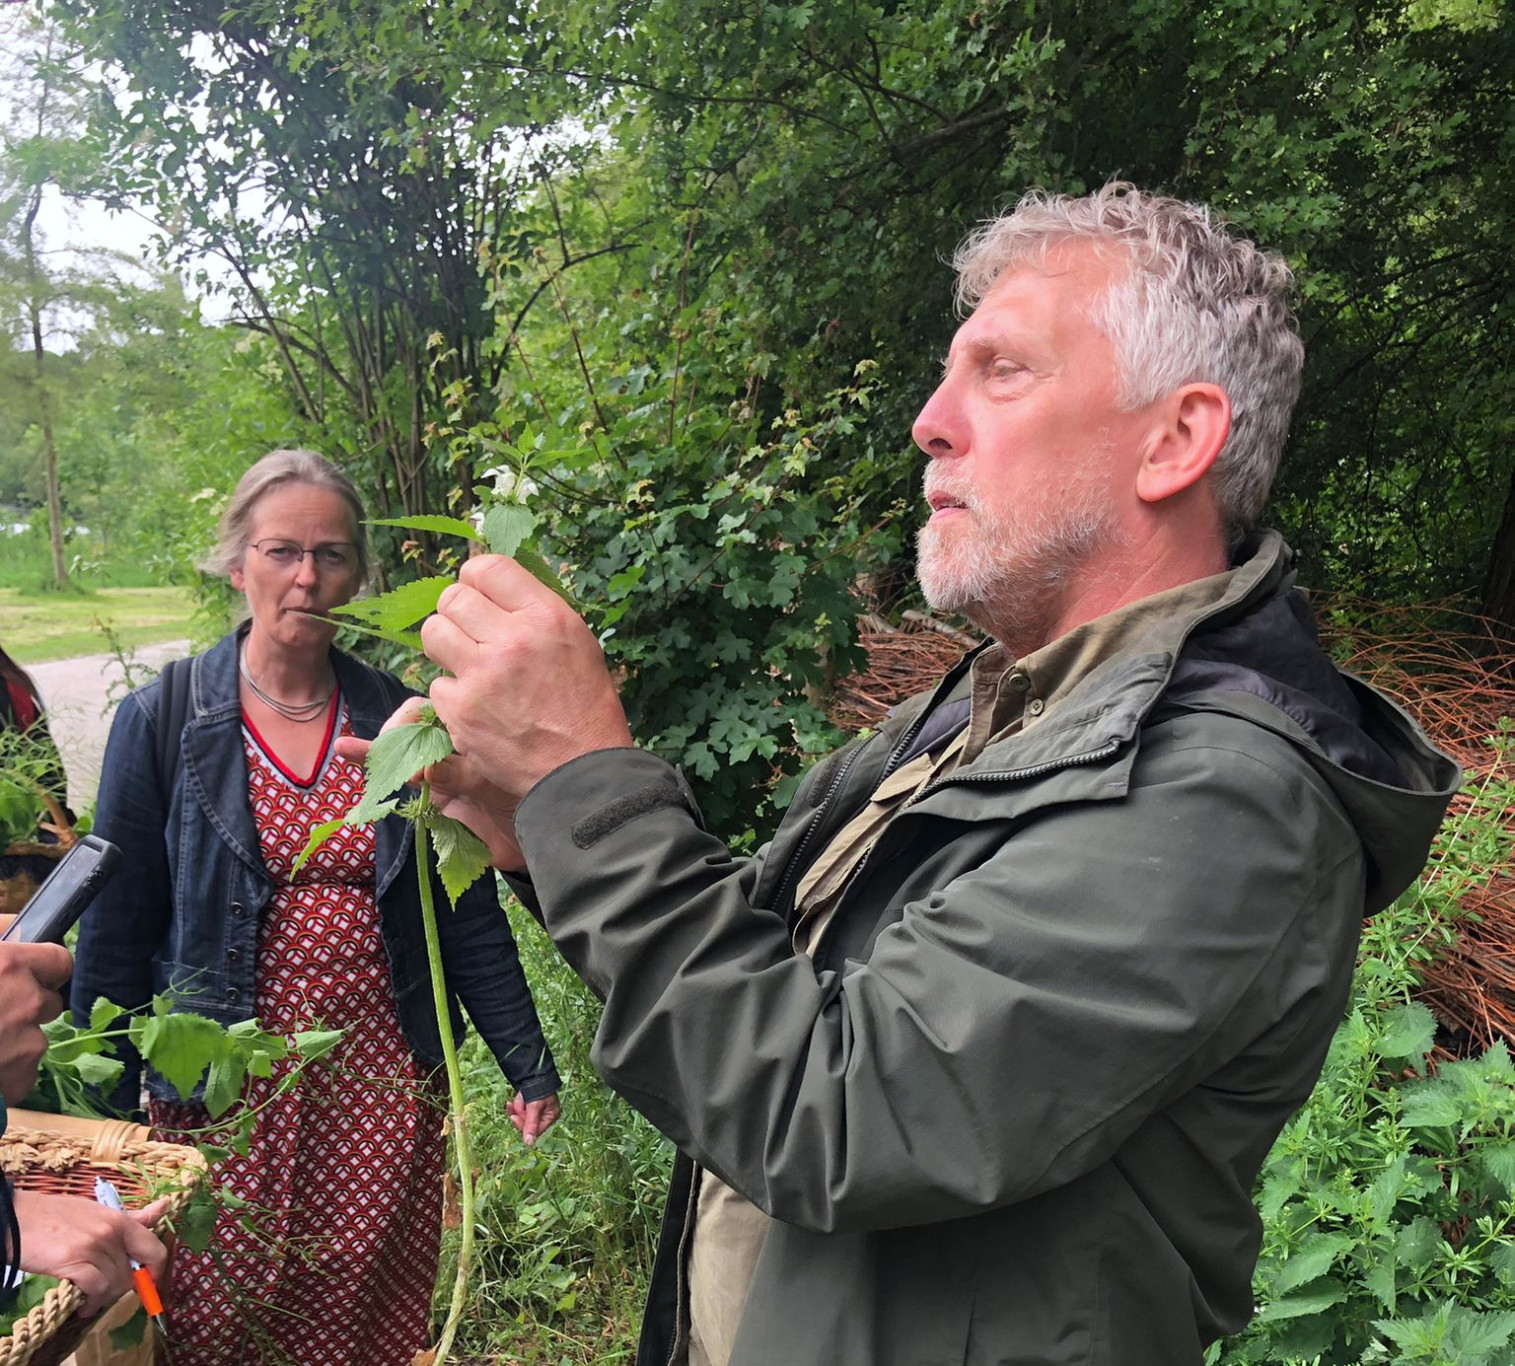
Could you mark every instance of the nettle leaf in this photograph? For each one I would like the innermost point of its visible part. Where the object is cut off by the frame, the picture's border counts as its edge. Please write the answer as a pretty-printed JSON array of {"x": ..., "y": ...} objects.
[
  {"x": 180, "y": 1046},
  {"x": 1409, "y": 1031},
  {"x": 506, "y": 526},
  {"x": 544, "y": 574},
  {"x": 462, "y": 857},
  {"x": 397, "y": 755},
  {"x": 318, "y": 837},
  {"x": 1311, "y": 1260},
  {"x": 1310, "y": 1299},
  {"x": 411, "y": 640},
  {"x": 1431, "y": 1106},
  {"x": 1472, "y": 1334},
  {"x": 442, "y": 526},
  {"x": 1382, "y": 1281},
  {"x": 1499, "y": 1161},
  {"x": 1502, "y": 1261},
  {"x": 400, "y": 607}
]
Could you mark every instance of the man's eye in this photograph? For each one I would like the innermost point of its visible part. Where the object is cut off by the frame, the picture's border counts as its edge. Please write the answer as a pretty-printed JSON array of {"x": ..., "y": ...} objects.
[{"x": 1005, "y": 369}]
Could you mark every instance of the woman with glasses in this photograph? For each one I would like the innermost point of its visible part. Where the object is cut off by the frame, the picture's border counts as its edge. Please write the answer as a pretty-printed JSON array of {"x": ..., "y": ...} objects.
[{"x": 214, "y": 778}]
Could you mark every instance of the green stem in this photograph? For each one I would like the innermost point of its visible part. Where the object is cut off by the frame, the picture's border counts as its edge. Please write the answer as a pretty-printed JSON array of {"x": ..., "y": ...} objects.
[{"x": 462, "y": 1146}]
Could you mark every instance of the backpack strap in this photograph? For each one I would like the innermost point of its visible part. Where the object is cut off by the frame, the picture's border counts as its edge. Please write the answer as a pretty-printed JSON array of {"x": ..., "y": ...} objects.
[{"x": 173, "y": 712}]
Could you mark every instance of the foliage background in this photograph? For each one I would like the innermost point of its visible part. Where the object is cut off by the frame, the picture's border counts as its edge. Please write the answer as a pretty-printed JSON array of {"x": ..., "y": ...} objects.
[{"x": 677, "y": 263}]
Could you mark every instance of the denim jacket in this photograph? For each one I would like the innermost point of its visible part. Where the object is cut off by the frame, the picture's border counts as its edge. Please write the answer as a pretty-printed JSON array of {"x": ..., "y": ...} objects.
[{"x": 181, "y": 916}]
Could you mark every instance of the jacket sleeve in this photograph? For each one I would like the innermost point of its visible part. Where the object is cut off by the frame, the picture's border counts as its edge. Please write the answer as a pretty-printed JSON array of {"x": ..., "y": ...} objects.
[
  {"x": 129, "y": 918},
  {"x": 483, "y": 969},
  {"x": 1008, "y": 1029}
]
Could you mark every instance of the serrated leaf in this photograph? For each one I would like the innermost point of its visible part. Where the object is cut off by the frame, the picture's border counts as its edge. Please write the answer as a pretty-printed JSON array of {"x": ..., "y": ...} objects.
[
  {"x": 411, "y": 640},
  {"x": 94, "y": 1070},
  {"x": 1498, "y": 1160},
  {"x": 197, "y": 1220},
  {"x": 1311, "y": 1299},
  {"x": 1382, "y": 1281},
  {"x": 398, "y": 608},
  {"x": 318, "y": 837},
  {"x": 1430, "y": 1106},
  {"x": 1502, "y": 1260},
  {"x": 1472, "y": 1334},
  {"x": 444, "y": 526},
  {"x": 544, "y": 574},
  {"x": 462, "y": 857},
  {"x": 1409, "y": 1031},
  {"x": 370, "y": 809},
  {"x": 397, "y": 755},
  {"x": 223, "y": 1087},
  {"x": 103, "y": 1014},
  {"x": 1310, "y": 1260},
  {"x": 311, "y": 1044},
  {"x": 180, "y": 1046},
  {"x": 506, "y": 525}
]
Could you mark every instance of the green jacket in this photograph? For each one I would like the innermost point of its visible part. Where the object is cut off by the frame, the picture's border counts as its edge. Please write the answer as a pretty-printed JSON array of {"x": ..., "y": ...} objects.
[{"x": 1014, "y": 1108}]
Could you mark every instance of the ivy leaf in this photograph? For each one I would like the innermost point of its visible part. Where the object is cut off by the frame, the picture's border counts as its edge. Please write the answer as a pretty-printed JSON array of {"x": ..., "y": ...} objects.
[
  {"x": 318, "y": 837},
  {"x": 462, "y": 857},
  {"x": 397, "y": 755},
  {"x": 443, "y": 526},
  {"x": 506, "y": 525},
  {"x": 400, "y": 607},
  {"x": 544, "y": 573},
  {"x": 180, "y": 1046}
]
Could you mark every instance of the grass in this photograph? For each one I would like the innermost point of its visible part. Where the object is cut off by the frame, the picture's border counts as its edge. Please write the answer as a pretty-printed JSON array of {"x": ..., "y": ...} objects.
[{"x": 39, "y": 626}]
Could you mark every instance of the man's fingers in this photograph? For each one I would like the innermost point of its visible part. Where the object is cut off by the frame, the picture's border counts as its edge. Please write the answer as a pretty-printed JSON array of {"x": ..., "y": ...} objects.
[
  {"x": 51, "y": 964},
  {"x": 447, "y": 644},
  {"x": 504, "y": 583}
]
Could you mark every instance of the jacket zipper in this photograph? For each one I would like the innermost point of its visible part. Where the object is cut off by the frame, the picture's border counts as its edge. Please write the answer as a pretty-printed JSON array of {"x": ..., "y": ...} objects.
[{"x": 815, "y": 824}]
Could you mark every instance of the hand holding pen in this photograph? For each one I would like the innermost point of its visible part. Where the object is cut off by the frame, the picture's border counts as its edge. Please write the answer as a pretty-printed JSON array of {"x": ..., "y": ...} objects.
[{"x": 142, "y": 1278}]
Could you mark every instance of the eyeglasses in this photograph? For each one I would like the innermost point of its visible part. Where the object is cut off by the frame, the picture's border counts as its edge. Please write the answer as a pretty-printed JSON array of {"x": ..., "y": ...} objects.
[{"x": 328, "y": 555}]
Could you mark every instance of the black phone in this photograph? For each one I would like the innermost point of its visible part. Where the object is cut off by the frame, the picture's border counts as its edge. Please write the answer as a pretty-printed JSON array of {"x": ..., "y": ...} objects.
[{"x": 65, "y": 892}]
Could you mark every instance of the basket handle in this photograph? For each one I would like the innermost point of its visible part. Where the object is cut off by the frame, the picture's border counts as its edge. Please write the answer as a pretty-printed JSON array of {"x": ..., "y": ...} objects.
[{"x": 108, "y": 1137}]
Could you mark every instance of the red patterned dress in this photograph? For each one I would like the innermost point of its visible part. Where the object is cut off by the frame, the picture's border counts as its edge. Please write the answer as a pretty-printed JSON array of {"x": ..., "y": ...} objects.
[{"x": 332, "y": 1260}]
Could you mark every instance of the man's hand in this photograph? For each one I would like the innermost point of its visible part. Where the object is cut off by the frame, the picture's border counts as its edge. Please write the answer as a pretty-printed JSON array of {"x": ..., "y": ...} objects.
[
  {"x": 529, "y": 688},
  {"x": 76, "y": 1239},
  {"x": 31, "y": 979},
  {"x": 533, "y": 1118},
  {"x": 456, "y": 791}
]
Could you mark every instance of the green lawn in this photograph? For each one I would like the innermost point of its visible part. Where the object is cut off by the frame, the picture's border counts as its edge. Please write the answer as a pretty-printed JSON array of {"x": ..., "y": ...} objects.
[{"x": 40, "y": 626}]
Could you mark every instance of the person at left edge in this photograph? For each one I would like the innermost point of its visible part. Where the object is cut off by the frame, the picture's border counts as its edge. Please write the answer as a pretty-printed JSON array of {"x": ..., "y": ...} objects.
[{"x": 344, "y": 1174}]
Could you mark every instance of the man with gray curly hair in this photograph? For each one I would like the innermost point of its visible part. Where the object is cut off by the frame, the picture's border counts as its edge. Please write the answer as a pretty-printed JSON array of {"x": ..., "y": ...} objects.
[{"x": 977, "y": 1060}]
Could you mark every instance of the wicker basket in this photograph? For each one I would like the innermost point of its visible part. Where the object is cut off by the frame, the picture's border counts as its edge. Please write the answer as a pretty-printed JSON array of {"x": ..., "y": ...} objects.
[
  {"x": 24, "y": 864},
  {"x": 63, "y": 1156}
]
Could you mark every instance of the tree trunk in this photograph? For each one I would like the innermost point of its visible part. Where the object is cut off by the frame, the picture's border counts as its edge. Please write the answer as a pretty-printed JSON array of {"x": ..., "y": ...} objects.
[
  {"x": 34, "y": 297},
  {"x": 1499, "y": 581}
]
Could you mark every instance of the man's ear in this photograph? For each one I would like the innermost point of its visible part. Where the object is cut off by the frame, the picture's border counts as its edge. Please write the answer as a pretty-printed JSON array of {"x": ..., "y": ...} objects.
[{"x": 1189, "y": 428}]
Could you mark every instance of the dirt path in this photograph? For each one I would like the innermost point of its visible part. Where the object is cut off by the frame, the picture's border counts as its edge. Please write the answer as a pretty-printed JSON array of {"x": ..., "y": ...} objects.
[{"x": 77, "y": 694}]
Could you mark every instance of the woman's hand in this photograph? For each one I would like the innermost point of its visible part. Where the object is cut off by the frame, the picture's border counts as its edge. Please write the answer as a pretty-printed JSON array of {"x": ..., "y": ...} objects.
[
  {"x": 80, "y": 1241},
  {"x": 533, "y": 1118}
]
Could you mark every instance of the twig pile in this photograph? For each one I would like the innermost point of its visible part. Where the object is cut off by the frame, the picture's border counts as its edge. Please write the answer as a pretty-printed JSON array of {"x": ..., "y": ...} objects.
[{"x": 1447, "y": 668}]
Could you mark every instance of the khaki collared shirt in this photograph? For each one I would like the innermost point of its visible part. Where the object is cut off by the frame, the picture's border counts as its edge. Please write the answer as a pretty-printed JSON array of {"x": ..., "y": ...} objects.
[{"x": 1007, "y": 697}]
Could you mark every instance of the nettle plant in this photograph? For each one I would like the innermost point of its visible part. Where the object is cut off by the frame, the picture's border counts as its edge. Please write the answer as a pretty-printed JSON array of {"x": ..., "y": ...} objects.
[{"x": 395, "y": 759}]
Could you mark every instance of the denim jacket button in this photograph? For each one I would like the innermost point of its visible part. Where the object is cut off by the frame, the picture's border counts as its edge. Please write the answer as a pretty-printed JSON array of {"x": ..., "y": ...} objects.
[
  {"x": 234, "y": 955},
  {"x": 236, "y": 908},
  {"x": 232, "y": 995}
]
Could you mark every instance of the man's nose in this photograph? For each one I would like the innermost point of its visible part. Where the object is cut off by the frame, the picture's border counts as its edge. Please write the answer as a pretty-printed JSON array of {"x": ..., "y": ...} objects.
[{"x": 938, "y": 428}]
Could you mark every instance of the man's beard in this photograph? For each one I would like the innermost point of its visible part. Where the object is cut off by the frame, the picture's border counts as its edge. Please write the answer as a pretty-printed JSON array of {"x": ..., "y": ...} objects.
[{"x": 1006, "y": 570}]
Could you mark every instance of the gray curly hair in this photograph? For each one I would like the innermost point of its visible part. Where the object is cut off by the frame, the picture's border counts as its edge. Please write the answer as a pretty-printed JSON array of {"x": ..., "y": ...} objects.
[{"x": 1198, "y": 304}]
